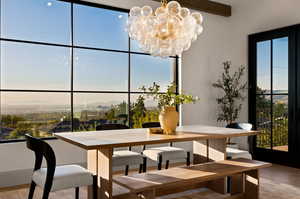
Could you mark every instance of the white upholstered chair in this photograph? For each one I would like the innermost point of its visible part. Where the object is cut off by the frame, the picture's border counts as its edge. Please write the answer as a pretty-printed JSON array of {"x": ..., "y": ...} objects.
[
  {"x": 125, "y": 157},
  {"x": 164, "y": 153},
  {"x": 240, "y": 152}
]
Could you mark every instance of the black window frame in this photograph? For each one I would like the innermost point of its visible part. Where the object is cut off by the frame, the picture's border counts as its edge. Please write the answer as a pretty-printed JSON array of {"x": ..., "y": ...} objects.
[{"x": 71, "y": 46}]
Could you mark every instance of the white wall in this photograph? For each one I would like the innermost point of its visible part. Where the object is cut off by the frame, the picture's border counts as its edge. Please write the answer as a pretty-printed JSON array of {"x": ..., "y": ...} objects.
[
  {"x": 227, "y": 39},
  {"x": 223, "y": 39}
]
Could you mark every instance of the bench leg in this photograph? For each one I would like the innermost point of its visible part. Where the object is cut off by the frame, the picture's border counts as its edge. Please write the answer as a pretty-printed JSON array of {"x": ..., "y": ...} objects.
[
  {"x": 217, "y": 152},
  {"x": 236, "y": 184},
  {"x": 252, "y": 184}
]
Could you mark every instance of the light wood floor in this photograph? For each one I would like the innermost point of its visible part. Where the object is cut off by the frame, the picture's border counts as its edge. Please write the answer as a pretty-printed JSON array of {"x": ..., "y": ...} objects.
[
  {"x": 281, "y": 148},
  {"x": 277, "y": 182}
]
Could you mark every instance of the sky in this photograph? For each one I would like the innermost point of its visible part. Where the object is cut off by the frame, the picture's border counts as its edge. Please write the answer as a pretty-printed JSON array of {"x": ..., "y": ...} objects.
[
  {"x": 28, "y": 66},
  {"x": 280, "y": 64}
]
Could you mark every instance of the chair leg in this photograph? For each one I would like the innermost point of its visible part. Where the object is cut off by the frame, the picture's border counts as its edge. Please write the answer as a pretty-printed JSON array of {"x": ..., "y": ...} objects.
[
  {"x": 46, "y": 193},
  {"x": 141, "y": 168},
  {"x": 47, "y": 190},
  {"x": 126, "y": 170},
  {"x": 144, "y": 164},
  {"x": 31, "y": 190},
  {"x": 188, "y": 159},
  {"x": 159, "y": 165},
  {"x": 77, "y": 193},
  {"x": 228, "y": 184},
  {"x": 167, "y": 164},
  {"x": 95, "y": 187}
]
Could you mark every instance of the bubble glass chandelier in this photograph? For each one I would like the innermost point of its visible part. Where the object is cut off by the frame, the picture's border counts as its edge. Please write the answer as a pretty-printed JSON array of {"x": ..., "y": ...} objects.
[{"x": 167, "y": 31}]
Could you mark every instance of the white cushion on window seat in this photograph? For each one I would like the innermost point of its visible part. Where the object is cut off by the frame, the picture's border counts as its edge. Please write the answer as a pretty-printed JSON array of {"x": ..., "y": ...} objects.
[
  {"x": 126, "y": 157},
  {"x": 167, "y": 153},
  {"x": 234, "y": 153},
  {"x": 65, "y": 177}
]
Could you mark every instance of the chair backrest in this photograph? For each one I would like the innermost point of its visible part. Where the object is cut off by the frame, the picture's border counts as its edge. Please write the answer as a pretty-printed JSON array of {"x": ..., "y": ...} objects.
[
  {"x": 42, "y": 150},
  {"x": 103, "y": 127},
  {"x": 244, "y": 126},
  {"x": 151, "y": 124}
]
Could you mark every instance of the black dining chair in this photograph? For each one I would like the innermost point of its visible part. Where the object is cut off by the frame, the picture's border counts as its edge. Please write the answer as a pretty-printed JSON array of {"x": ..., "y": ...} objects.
[
  {"x": 125, "y": 157},
  {"x": 55, "y": 178},
  {"x": 165, "y": 153}
]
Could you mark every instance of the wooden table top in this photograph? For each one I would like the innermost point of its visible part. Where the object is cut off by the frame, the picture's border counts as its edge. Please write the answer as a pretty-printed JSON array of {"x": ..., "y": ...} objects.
[{"x": 135, "y": 137}]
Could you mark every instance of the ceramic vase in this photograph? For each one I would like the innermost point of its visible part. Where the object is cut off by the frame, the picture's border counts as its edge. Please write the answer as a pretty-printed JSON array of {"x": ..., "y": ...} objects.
[{"x": 169, "y": 119}]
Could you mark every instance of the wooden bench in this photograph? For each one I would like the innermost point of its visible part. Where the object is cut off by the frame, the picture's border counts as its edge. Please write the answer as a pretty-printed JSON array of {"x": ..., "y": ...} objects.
[{"x": 145, "y": 185}]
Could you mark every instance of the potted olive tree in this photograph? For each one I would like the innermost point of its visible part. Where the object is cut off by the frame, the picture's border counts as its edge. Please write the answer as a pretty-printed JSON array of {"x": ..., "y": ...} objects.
[
  {"x": 167, "y": 102},
  {"x": 233, "y": 90}
]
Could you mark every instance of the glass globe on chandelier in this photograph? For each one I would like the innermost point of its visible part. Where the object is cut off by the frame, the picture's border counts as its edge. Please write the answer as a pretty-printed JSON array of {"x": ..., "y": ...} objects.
[{"x": 167, "y": 31}]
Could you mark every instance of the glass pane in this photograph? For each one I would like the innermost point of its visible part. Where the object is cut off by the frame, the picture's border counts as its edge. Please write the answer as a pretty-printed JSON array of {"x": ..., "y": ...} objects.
[
  {"x": 134, "y": 46},
  {"x": 280, "y": 65},
  {"x": 264, "y": 67},
  {"x": 280, "y": 122},
  {"x": 100, "y": 28},
  {"x": 92, "y": 109},
  {"x": 147, "y": 69},
  {"x": 263, "y": 121},
  {"x": 42, "y": 20},
  {"x": 143, "y": 111},
  {"x": 99, "y": 70},
  {"x": 39, "y": 114},
  {"x": 30, "y": 66}
]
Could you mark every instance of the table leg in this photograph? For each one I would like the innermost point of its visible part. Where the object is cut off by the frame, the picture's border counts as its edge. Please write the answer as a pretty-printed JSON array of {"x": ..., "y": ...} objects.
[
  {"x": 100, "y": 162},
  {"x": 105, "y": 173},
  {"x": 215, "y": 150},
  {"x": 92, "y": 166},
  {"x": 200, "y": 148}
]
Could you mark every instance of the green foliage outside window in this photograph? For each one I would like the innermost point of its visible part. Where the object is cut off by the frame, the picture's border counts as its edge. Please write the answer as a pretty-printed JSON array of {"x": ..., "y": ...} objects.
[{"x": 279, "y": 121}]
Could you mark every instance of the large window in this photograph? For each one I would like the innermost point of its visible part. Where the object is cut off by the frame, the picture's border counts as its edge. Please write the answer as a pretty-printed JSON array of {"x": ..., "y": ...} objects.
[{"x": 70, "y": 67}]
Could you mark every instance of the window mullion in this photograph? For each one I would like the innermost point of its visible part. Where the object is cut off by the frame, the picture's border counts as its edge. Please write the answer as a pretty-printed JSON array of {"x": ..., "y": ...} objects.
[
  {"x": 271, "y": 70},
  {"x": 72, "y": 66}
]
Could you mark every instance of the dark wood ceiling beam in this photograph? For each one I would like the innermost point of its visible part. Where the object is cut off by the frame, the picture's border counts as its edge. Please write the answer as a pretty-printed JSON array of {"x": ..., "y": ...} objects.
[{"x": 207, "y": 6}]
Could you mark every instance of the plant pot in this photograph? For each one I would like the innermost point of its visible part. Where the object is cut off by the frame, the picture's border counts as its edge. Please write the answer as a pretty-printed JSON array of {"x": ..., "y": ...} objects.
[{"x": 169, "y": 119}]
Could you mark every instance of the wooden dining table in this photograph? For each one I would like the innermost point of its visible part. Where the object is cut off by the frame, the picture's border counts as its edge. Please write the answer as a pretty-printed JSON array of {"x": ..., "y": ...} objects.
[{"x": 209, "y": 144}]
